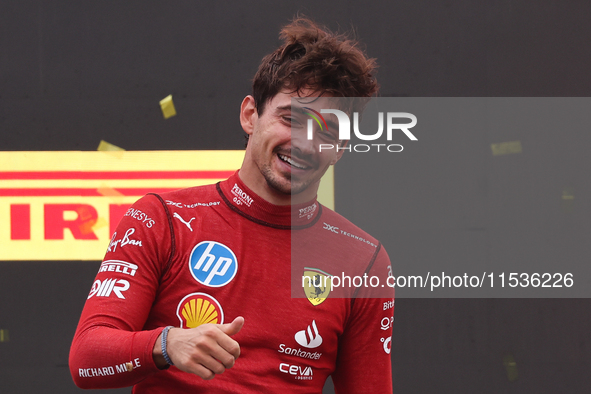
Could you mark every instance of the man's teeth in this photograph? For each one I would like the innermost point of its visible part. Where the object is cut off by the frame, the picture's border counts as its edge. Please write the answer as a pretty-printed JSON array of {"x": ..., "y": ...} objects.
[{"x": 290, "y": 161}]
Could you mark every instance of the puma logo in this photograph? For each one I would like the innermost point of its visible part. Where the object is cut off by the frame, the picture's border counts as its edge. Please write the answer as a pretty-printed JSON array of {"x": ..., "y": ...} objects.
[{"x": 188, "y": 224}]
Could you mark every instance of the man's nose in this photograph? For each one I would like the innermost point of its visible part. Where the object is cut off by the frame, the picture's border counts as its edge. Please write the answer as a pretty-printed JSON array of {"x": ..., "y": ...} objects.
[{"x": 300, "y": 138}]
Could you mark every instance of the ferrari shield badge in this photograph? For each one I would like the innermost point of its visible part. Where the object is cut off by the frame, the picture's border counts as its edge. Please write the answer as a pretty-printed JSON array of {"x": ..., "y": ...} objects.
[{"x": 317, "y": 285}]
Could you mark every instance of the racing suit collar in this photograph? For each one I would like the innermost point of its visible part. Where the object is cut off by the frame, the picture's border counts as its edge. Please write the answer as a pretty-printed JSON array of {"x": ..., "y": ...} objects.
[{"x": 243, "y": 200}]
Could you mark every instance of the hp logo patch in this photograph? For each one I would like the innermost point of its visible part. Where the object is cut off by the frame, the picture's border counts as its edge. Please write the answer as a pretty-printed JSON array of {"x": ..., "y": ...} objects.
[{"x": 213, "y": 264}]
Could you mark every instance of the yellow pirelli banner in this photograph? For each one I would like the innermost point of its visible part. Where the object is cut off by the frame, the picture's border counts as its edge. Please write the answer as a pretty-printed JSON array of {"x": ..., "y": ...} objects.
[{"x": 66, "y": 205}]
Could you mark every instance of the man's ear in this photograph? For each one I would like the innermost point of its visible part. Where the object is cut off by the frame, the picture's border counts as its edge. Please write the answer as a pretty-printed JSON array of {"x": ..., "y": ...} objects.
[{"x": 248, "y": 114}]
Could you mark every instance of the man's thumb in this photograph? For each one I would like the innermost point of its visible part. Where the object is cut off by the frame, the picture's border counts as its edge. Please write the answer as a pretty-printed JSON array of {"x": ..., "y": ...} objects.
[{"x": 232, "y": 328}]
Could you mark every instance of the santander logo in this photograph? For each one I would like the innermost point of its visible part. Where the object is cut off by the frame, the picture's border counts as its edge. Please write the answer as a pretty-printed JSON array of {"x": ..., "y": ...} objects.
[{"x": 309, "y": 337}]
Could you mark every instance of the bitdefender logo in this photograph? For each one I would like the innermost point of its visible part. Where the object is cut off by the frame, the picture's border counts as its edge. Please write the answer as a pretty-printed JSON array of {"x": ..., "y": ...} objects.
[{"x": 345, "y": 130}]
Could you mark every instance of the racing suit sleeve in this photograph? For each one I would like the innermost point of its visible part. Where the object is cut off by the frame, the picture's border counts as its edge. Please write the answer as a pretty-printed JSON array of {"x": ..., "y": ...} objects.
[
  {"x": 110, "y": 348},
  {"x": 363, "y": 361}
]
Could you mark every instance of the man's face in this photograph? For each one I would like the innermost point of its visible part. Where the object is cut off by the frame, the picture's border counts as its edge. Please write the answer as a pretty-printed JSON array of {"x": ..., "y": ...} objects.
[{"x": 278, "y": 145}]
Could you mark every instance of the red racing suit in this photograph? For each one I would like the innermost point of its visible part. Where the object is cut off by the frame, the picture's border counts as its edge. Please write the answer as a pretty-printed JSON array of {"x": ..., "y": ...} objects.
[{"x": 211, "y": 253}]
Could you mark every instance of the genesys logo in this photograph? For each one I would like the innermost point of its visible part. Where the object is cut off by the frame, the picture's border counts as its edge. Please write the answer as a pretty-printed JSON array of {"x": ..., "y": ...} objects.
[
  {"x": 199, "y": 308},
  {"x": 140, "y": 216},
  {"x": 240, "y": 196},
  {"x": 213, "y": 264},
  {"x": 297, "y": 371},
  {"x": 118, "y": 266},
  {"x": 309, "y": 337},
  {"x": 107, "y": 287},
  {"x": 344, "y": 130}
]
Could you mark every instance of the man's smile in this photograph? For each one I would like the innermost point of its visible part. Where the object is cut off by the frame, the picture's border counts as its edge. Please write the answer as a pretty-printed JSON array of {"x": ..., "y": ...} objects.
[{"x": 292, "y": 162}]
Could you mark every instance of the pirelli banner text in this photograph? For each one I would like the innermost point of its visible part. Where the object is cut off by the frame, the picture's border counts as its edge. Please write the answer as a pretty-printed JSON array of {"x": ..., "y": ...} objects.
[{"x": 65, "y": 205}]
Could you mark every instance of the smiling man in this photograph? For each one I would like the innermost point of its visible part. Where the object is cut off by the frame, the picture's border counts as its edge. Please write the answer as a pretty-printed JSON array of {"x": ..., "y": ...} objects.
[
  {"x": 281, "y": 165},
  {"x": 204, "y": 299}
]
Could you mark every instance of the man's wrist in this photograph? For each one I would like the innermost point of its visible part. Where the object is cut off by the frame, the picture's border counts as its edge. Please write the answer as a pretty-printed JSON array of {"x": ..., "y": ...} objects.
[
  {"x": 157, "y": 354},
  {"x": 163, "y": 344}
]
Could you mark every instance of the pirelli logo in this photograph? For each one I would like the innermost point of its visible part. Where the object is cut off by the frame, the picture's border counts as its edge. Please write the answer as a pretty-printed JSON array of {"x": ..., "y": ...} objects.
[{"x": 66, "y": 205}]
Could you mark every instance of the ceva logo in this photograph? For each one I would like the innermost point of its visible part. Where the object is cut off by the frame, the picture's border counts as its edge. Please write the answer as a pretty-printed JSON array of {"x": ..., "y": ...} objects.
[
  {"x": 300, "y": 373},
  {"x": 309, "y": 337},
  {"x": 345, "y": 129}
]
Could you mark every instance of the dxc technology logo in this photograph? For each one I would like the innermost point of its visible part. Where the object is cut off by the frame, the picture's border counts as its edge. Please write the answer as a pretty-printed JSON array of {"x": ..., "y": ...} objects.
[
  {"x": 345, "y": 130},
  {"x": 213, "y": 264}
]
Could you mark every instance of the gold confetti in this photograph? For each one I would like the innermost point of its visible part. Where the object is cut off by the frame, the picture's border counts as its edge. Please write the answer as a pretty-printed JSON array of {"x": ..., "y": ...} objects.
[
  {"x": 511, "y": 367},
  {"x": 167, "y": 107},
  {"x": 568, "y": 197},
  {"x": 3, "y": 335},
  {"x": 109, "y": 191},
  {"x": 114, "y": 195},
  {"x": 129, "y": 366},
  {"x": 87, "y": 220},
  {"x": 506, "y": 148},
  {"x": 100, "y": 223},
  {"x": 107, "y": 147}
]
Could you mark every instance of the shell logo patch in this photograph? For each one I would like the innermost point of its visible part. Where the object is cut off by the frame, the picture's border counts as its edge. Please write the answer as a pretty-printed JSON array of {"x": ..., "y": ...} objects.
[
  {"x": 317, "y": 285},
  {"x": 199, "y": 308}
]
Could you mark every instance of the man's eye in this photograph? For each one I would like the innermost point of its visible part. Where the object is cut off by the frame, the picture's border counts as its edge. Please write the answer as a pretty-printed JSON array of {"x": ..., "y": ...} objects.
[
  {"x": 290, "y": 120},
  {"x": 327, "y": 135}
]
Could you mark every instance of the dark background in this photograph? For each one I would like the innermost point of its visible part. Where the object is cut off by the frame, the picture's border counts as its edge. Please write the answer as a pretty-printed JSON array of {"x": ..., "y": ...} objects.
[{"x": 75, "y": 72}]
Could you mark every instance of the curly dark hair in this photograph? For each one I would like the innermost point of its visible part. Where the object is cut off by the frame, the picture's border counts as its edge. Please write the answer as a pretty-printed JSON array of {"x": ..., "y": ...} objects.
[{"x": 314, "y": 57}]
